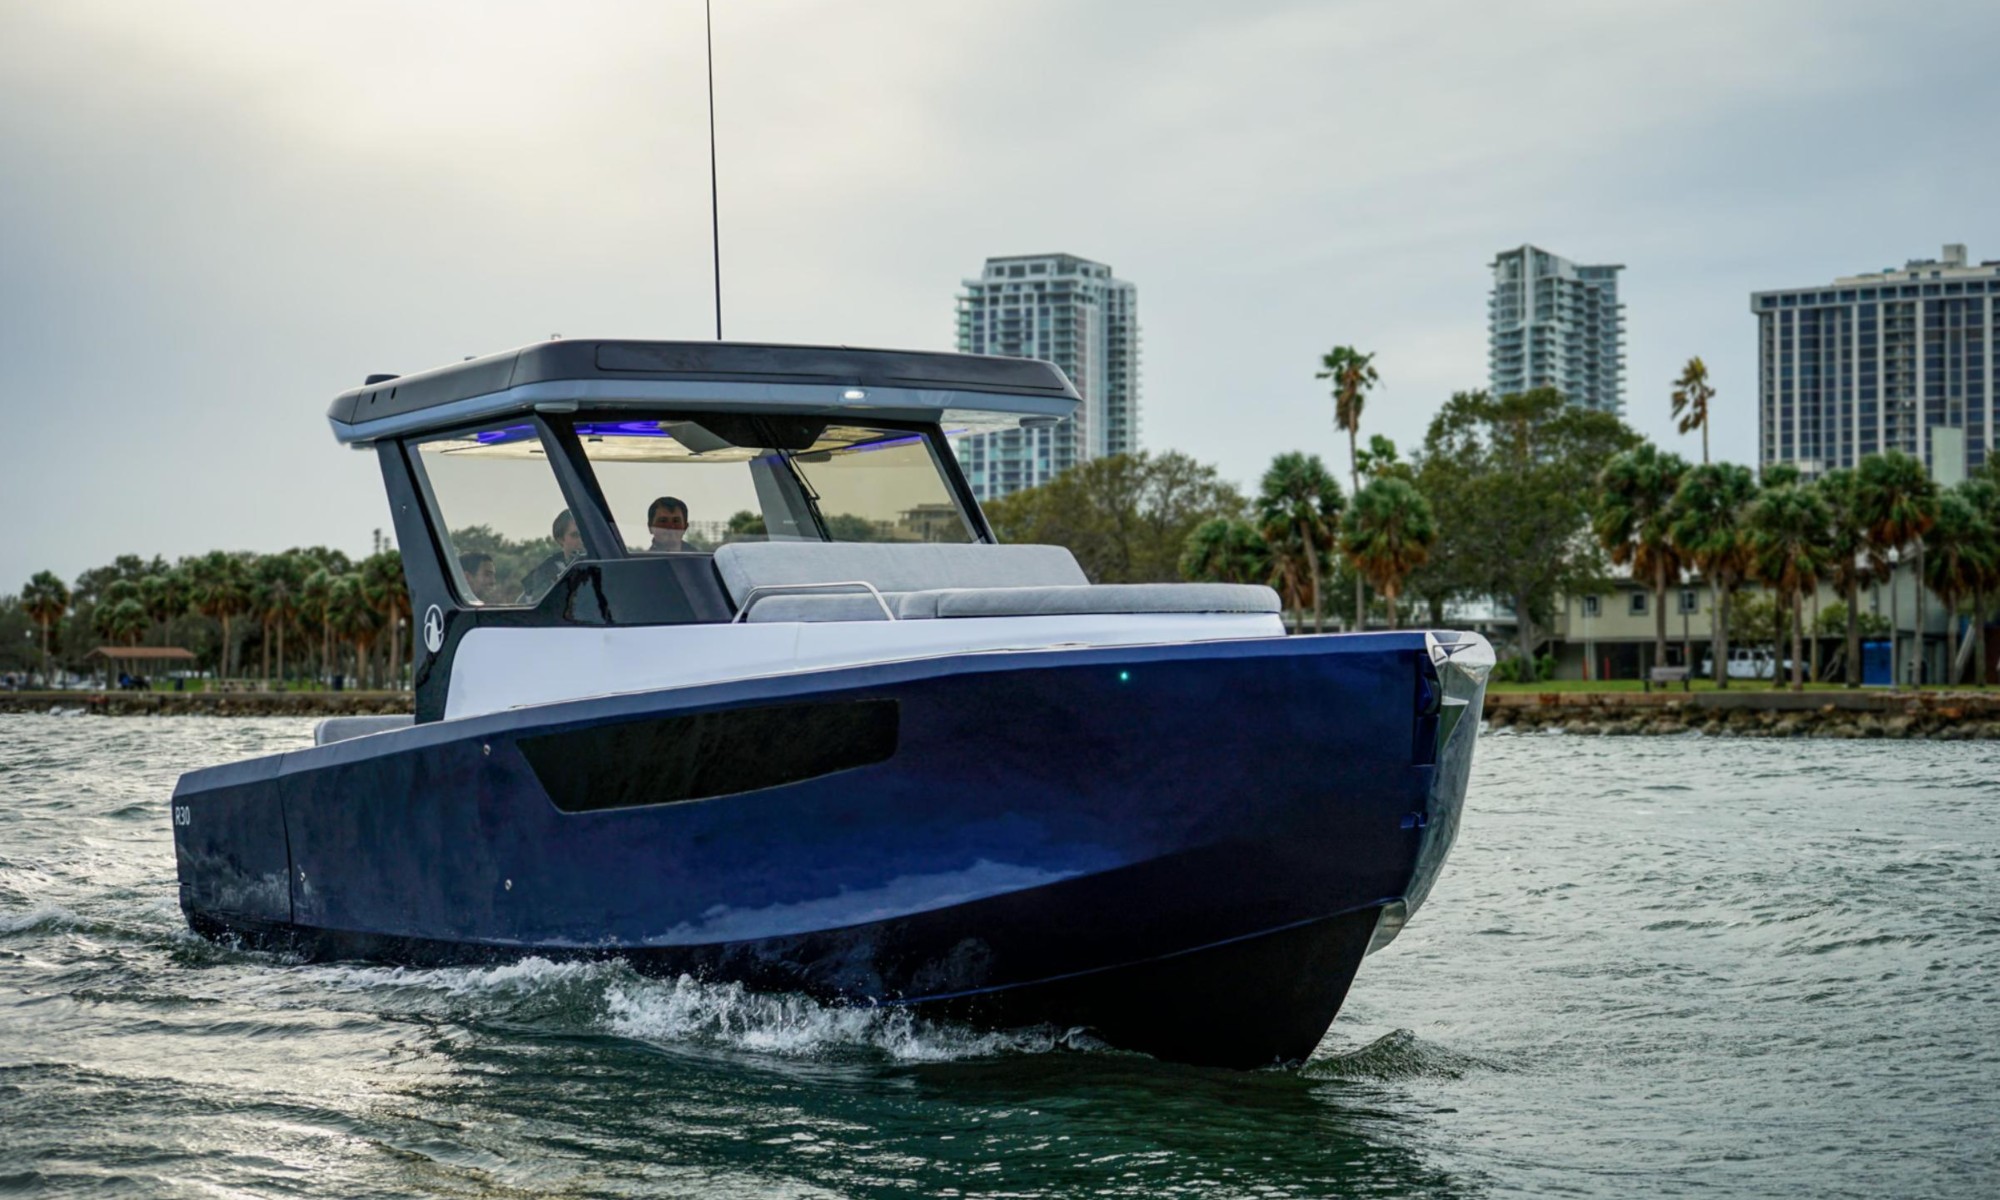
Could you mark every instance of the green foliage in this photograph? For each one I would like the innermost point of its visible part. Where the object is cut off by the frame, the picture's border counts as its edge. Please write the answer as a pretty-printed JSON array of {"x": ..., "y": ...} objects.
[
  {"x": 1691, "y": 396},
  {"x": 1126, "y": 517},
  {"x": 1509, "y": 670},
  {"x": 1389, "y": 531},
  {"x": 1897, "y": 502},
  {"x": 746, "y": 524},
  {"x": 1787, "y": 531},
  {"x": 1225, "y": 550},
  {"x": 1511, "y": 480},
  {"x": 1350, "y": 373},
  {"x": 1380, "y": 460},
  {"x": 1832, "y": 622},
  {"x": 1754, "y": 620},
  {"x": 847, "y": 527},
  {"x": 20, "y": 638},
  {"x": 1705, "y": 521},
  {"x": 1960, "y": 548},
  {"x": 1298, "y": 513},
  {"x": 1635, "y": 493}
]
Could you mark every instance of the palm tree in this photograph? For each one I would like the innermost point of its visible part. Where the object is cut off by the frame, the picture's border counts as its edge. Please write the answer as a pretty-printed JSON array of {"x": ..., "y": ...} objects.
[
  {"x": 382, "y": 582},
  {"x": 315, "y": 601},
  {"x": 1691, "y": 397},
  {"x": 1226, "y": 551},
  {"x": 1705, "y": 522},
  {"x": 1635, "y": 491},
  {"x": 1898, "y": 504},
  {"x": 1788, "y": 551},
  {"x": 275, "y": 587},
  {"x": 164, "y": 595},
  {"x": 1958, "y": 554},
  {"x": 1847, "y": 550},
  {"x": 1298, "y": 513},
  {"x": 219, "y": 591},
  {"x": 355, "y": 618},
  {"x": 1352, "y": 373},
  {"x": 122, "y": 619},
  {"x": 1984, "y": 496},
  {"x": 1390, "y": 532},
  {"x": 46, "y": 600}
]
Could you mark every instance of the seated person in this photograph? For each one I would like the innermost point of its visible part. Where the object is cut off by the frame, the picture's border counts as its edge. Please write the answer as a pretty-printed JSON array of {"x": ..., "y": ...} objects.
[
  {"x": 569, "y": 548},
  {"x": 667, "y": 517},
  {"x": 481, "y": 577}
]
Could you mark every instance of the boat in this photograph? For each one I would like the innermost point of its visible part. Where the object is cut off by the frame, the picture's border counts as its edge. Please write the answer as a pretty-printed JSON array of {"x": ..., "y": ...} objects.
[{"x": 719, "y": 669}]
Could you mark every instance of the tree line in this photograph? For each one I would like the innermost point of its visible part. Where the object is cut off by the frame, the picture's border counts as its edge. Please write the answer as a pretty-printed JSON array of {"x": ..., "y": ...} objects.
[
  {"x": 306, "y": 613},
  {"x": 1527, "y": 499}
]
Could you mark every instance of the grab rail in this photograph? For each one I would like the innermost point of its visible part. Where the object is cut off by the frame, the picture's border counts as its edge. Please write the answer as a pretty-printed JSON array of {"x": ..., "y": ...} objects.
[{"x": 760, "y": 591}]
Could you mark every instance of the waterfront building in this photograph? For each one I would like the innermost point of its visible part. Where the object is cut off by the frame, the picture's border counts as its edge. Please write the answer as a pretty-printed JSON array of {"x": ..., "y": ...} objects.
[
  {"x": 1554, "y": 323},
  {"x": 1074, "y": 313},
  {"x": 1896, "y": 359},
  {"x": 1606, "y": 632}
]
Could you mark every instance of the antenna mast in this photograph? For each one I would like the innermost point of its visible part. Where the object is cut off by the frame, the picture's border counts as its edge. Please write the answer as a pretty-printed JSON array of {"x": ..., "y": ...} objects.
[{"x": 714, "y": 214}]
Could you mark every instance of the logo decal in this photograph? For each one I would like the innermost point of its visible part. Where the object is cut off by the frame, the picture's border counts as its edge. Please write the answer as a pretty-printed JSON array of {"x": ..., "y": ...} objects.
[{"x": 434, "y": 629}]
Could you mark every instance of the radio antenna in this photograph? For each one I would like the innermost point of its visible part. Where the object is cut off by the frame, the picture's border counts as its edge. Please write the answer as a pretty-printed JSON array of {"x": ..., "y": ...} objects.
[{"x": 714, "y": 213}]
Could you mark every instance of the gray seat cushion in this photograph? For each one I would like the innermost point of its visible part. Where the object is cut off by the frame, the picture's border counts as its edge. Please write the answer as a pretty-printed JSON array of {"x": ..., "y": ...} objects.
[
  {"x": 1106, "y": 598},
  {"x": 947, "y": 603},
  {"x": 892, "y": 566},
  {"x": 921, "y": 581}
]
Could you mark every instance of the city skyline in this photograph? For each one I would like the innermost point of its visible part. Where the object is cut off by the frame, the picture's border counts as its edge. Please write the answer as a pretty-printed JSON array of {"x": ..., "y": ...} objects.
[{"x": 220, "y": 216}]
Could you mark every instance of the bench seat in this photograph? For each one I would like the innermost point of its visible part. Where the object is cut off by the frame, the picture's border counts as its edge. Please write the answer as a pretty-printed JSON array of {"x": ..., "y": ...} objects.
[{"x": 938, "y": 582}]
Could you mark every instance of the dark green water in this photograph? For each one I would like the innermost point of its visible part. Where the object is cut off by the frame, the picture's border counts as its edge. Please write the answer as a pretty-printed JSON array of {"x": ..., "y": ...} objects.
[{"x": 1654, "y": 967}]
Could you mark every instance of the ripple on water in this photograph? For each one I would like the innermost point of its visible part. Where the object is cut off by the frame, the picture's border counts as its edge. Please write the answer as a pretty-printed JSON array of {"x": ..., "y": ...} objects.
[{"x": 1397, "y": 1055}]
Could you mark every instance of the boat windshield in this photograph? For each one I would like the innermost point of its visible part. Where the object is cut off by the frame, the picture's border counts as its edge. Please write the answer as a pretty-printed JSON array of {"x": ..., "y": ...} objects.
[{"x": 676, "y": 485}]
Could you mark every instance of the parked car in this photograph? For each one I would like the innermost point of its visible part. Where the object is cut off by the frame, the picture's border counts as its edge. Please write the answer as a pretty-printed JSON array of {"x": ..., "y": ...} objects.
[{"x": 1747, "y": 662}]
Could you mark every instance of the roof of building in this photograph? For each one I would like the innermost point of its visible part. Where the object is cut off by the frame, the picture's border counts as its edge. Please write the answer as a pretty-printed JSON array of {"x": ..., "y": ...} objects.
[
  {"x": 732, "y": 376},
  {"x": 149, "y": 653}
]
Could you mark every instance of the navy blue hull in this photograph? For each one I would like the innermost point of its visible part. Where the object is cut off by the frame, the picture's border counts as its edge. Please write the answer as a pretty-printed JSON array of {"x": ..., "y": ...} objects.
[{"x": 1184, "y": 848}]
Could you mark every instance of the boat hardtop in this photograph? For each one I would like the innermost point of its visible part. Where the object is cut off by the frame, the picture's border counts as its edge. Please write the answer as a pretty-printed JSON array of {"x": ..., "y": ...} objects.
[{"x": 833, "y": 462}]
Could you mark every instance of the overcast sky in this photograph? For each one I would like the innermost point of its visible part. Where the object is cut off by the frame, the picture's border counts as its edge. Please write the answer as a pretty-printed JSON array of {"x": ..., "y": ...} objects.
[{"x": 215, "y": 216}]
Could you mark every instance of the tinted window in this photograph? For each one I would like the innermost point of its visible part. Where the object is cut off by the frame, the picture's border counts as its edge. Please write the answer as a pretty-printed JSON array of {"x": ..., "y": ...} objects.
[{"x": 506, "y": 525}]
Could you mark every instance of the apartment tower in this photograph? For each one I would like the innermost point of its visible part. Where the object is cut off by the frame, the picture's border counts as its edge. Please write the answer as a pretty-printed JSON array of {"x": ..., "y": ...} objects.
[
  {"x": 1892, "y": 360},
  {"x": 1069, "y": 311},
  {"x": 1555, "y": 323}
]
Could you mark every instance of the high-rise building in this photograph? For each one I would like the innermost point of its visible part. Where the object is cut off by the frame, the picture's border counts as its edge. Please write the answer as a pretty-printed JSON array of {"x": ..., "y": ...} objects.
[
  {"x": 1554, "y": 323},
  {"x": 1897, "y": 359},
  {"x": 1071, "y": 312}
]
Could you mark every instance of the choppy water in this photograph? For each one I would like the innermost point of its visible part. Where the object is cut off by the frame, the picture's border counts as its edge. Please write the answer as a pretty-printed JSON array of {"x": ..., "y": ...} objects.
[{"x": 1654, "y": 967}]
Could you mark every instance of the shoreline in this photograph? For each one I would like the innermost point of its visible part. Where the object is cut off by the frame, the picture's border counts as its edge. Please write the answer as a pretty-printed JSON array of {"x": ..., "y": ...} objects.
[{"x": 1948, "y": 716}]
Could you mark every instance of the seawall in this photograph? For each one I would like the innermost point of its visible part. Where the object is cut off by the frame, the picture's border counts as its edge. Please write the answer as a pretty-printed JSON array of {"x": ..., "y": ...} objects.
[
  {"x": 1753, "y": 712},
  {"x": 209, "y": 704}
]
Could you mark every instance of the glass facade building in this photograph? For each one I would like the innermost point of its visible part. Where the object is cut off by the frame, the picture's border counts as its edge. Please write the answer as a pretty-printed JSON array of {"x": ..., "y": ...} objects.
[
  {"x": 1554, "y": 323},
  {"x": 1897, "y": 359},
  {"x": 1069, "y": 311}
]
